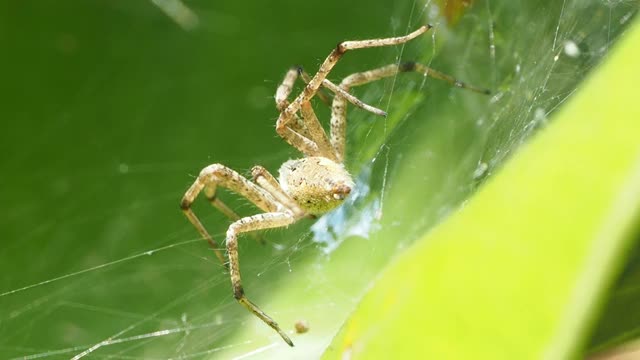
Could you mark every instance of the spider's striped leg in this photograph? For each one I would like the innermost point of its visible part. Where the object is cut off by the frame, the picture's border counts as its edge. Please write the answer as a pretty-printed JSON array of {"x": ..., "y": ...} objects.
[
  {"x": 320, "y": 94},
  {"x": 214, "y": 175},
  {"x": 306, "y": 133},
  {"x": 210, "y": 193},
  {"x": 268, "y": 182},
  {"x": 318, "y": 135},
  {"x": 285, "y": 88},
  {"x": 282, "y": 101},
  {"x": 288, "y": 114},
  {"x": 313, "y": 141},
  {"x": 427, "y": 71},
  {"x": 327, "y": 84},
  {"x": 339, "y": 106},
  {"x": 352, "y": 99},
  {"x": 251, "y": 223}
]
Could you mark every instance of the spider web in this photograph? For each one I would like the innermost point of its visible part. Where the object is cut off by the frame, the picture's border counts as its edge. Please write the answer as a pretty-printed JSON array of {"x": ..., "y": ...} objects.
[{"x": 97, "y": 260}]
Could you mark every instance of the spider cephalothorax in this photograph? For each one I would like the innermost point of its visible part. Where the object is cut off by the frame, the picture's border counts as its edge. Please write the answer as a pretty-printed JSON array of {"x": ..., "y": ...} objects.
[
  {"x": 309, "y": 186},
  {"x": 316, "y": 184}
]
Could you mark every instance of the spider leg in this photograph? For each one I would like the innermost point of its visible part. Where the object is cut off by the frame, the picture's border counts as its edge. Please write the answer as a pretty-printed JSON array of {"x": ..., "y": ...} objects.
[
  {"x": 321, "y": 94},
  {"x": 339, "y": 106},
  {"x": 210, "y": 193},
  {"x": 306, "y": 133},
  {"x": 318, "y": 135},
  {"x": 251, "y": 223},
  {"x": 297, "y": 128},
  {"x": 366, "y": 77},
  {"x": 427, "y": 71},
  {"x": 352, "y": 99},
  {"x": 288, "y": 113},
  {"x": 308, "y": 137},
  {"x": 327, "y": 84},
  {"x": 212, "y": 176},
  {"x": 284, "y": 91},
  {"x": 268, "y": 182},
  {"x": 285, "y": 88}
]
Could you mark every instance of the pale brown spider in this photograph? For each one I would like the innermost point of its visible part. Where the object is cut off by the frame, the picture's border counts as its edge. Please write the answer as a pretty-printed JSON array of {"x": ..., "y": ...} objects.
[{"x": 309, "y": 186}]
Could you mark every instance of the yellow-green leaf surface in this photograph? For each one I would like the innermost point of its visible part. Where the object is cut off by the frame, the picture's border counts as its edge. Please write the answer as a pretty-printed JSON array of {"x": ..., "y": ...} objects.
[{"x": 521, "y": 270}]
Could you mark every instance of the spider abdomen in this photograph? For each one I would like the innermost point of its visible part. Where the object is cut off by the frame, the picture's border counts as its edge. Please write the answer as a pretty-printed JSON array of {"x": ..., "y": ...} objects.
[{"x": 316, "y": 183}]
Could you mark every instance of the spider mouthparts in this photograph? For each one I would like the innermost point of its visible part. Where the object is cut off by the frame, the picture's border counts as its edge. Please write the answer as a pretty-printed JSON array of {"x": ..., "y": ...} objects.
[{"x": 341, "y": 192}]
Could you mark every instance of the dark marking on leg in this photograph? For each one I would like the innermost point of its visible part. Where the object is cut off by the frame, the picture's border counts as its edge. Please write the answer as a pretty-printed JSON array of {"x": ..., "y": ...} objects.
[
  {"x": 185, "y": 204},
  {"x": 238, "y": 292},
  {"x": 407, "y": 66}
]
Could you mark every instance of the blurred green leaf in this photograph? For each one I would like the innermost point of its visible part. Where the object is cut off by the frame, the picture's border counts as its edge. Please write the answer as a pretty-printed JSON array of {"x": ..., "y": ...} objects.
[{"x": 522, "y": 271}]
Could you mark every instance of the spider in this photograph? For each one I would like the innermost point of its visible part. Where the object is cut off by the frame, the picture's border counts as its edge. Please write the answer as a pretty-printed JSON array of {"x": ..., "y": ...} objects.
[{"x": 312, "y": 185}]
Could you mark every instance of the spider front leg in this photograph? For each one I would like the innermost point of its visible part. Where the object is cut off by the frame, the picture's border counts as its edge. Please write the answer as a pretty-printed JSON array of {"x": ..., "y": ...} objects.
[
  {"x": 288, "y": 110},
  {"x": 339, "y": 105},
  {"x": 268, "y": 182},
  {"x": 208, "y": 180},
  {"x": 288, "y": 113},
  {"x": 305, "y": 133},
  {"x": 306, "y": 136},
  {"x": 340, "y": 92},
  {"x": 251, "y": 223}
]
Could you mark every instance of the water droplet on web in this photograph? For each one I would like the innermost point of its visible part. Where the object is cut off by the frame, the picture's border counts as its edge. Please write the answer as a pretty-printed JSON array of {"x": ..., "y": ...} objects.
[
  {"x": 571, "y": 49},
  {"x": 539, "y": 115},
  {"x": 481, "y": 170}
]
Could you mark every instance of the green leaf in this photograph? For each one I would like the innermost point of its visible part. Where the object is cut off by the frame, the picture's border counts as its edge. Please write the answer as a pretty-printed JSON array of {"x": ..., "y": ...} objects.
[{"x": 522, "y": 270}]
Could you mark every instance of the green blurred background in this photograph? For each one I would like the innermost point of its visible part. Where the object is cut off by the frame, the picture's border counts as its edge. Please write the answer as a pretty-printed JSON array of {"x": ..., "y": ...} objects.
[{"x": 110, "y": 109}]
